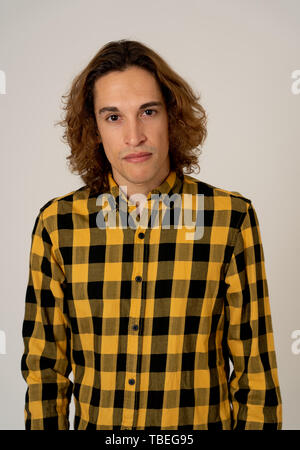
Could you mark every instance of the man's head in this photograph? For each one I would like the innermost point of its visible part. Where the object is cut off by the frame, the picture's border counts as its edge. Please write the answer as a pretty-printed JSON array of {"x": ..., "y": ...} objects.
[
  {"x": 126, "y": 75},
  {"x": 132, "y": 118}
]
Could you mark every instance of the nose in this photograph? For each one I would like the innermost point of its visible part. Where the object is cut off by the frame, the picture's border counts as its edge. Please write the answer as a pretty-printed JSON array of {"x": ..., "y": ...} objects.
[{"x": 133, "y": 133}]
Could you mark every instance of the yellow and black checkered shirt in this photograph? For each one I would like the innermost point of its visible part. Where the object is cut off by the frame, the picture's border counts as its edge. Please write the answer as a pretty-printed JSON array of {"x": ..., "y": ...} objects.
[{"x": 148, "y": 319}]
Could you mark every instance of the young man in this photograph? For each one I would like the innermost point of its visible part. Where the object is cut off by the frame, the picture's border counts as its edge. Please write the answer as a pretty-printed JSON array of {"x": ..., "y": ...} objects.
[{"x": 146, "y": 311}]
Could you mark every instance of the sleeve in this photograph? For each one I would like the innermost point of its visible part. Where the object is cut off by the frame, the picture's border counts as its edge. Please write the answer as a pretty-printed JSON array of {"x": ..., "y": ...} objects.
[
  {"x": 253, "y": 385},
  {"x": 45, "y": 363}
]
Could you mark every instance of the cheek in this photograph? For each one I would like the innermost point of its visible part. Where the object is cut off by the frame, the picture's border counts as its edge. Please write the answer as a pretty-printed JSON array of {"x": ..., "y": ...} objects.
[
  {"x": 160, "y": 130},
  {"x": 109, "y": 138},
  {"x": 110, "y": 151},
  {"x": 164, "y": 135},
  {"x": 165, "y": 127},
  {"x": 110, "y": 144}
]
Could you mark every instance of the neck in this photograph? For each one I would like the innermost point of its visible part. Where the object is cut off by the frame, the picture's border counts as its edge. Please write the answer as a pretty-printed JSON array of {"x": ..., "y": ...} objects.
[{"x": 134, "y": 189}]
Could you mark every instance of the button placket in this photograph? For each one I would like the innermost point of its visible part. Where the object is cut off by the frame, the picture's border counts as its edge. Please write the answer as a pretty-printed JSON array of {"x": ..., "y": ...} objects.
[{"x": 133, "y": 335}]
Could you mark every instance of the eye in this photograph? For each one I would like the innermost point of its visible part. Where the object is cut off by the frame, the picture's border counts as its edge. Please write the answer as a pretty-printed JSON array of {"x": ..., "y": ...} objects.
[
  {"x": 152, "y": 110},
  {"x": 112, "y": 115},
  {"x": 116, "y": 115}
]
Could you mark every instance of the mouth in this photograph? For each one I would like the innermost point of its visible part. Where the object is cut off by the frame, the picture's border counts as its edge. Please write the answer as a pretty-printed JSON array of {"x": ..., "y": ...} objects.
[{"x": 138, "y": 157}]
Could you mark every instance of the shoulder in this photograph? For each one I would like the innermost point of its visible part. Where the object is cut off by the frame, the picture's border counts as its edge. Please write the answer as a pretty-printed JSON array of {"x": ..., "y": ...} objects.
[
  {"x": 213, "y": 191},
  {"x": 64, "y": 201},
  {"x": 57, "y": 212},
  {"x": 218, "y": 200}
]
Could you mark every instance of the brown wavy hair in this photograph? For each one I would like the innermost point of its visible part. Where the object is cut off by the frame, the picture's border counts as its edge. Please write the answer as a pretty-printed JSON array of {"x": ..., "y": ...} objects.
[{"x": 187, "y": 119}]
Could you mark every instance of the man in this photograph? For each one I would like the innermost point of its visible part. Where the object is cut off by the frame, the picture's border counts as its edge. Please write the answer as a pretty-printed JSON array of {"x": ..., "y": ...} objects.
[{"x": 145, "y": 310}]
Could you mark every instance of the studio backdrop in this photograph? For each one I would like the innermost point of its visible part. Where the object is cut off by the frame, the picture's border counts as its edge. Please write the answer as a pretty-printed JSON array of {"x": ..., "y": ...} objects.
[{"x": 243, "y": 59}]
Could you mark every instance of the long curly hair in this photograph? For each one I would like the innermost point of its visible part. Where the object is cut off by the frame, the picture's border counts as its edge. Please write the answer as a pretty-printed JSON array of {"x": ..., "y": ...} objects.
[{"x": 187, "y": 120}]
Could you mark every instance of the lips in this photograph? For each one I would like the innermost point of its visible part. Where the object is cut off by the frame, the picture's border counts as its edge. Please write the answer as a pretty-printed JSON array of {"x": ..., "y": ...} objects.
[{"x": 138, "y": 157}]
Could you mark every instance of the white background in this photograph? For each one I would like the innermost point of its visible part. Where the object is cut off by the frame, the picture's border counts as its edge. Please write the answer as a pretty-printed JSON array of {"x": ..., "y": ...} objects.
[{"x": 239, "y": 55}]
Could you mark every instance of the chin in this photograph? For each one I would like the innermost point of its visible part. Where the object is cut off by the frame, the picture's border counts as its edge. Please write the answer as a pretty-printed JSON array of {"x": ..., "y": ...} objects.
[{"x": 142, "y": 172}]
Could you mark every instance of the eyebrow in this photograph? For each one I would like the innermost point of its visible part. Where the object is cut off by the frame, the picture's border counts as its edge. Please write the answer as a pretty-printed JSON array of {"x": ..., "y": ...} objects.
[{"x": 115, "y": 109}]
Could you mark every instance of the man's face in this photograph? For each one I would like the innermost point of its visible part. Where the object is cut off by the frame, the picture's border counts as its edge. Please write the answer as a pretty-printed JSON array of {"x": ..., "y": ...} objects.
[{"x": 127, "y": 127}]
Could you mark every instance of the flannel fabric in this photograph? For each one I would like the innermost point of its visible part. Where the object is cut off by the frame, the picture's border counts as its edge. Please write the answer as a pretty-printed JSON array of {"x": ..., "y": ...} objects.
[{"x": 146, "y": 319}]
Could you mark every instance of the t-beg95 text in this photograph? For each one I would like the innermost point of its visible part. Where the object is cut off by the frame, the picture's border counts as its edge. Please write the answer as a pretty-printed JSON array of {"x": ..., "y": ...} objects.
[{"x": 166, "y": 439}]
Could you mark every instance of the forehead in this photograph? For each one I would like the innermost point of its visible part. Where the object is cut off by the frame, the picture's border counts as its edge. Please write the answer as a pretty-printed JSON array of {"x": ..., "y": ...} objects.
[{"x": 133, "y": 82}]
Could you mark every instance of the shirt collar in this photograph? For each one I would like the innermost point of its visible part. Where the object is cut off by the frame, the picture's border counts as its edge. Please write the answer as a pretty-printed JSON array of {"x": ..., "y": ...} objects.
[{"x": 171, "y": 185}]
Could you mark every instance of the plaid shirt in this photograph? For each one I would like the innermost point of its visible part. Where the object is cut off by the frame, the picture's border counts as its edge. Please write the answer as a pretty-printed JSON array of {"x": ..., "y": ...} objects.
[{"x": 148, "y": 320}]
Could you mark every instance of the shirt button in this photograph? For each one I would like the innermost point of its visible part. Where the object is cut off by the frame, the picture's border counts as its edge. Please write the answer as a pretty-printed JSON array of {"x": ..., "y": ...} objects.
[
  {"x": 135, "y": 327},
  {"x": 141, "y": 235},
  {"x": 131, "y": 381},
  {"x": 138, "y": 278}
]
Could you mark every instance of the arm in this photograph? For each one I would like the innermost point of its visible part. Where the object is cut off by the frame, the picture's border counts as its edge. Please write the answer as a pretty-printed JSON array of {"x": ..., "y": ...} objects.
[
  {"x": 253, "y": 385},
  {"x": 45, "y": 362}
]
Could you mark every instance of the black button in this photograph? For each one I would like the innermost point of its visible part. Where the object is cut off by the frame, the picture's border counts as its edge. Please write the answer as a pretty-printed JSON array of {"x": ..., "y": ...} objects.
[
  {"x": 141, "y": 235},
  {"x": 138, "y": 278},
  {"x": 135, "y": 327},
  {"x": 131, "y": 381}
]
